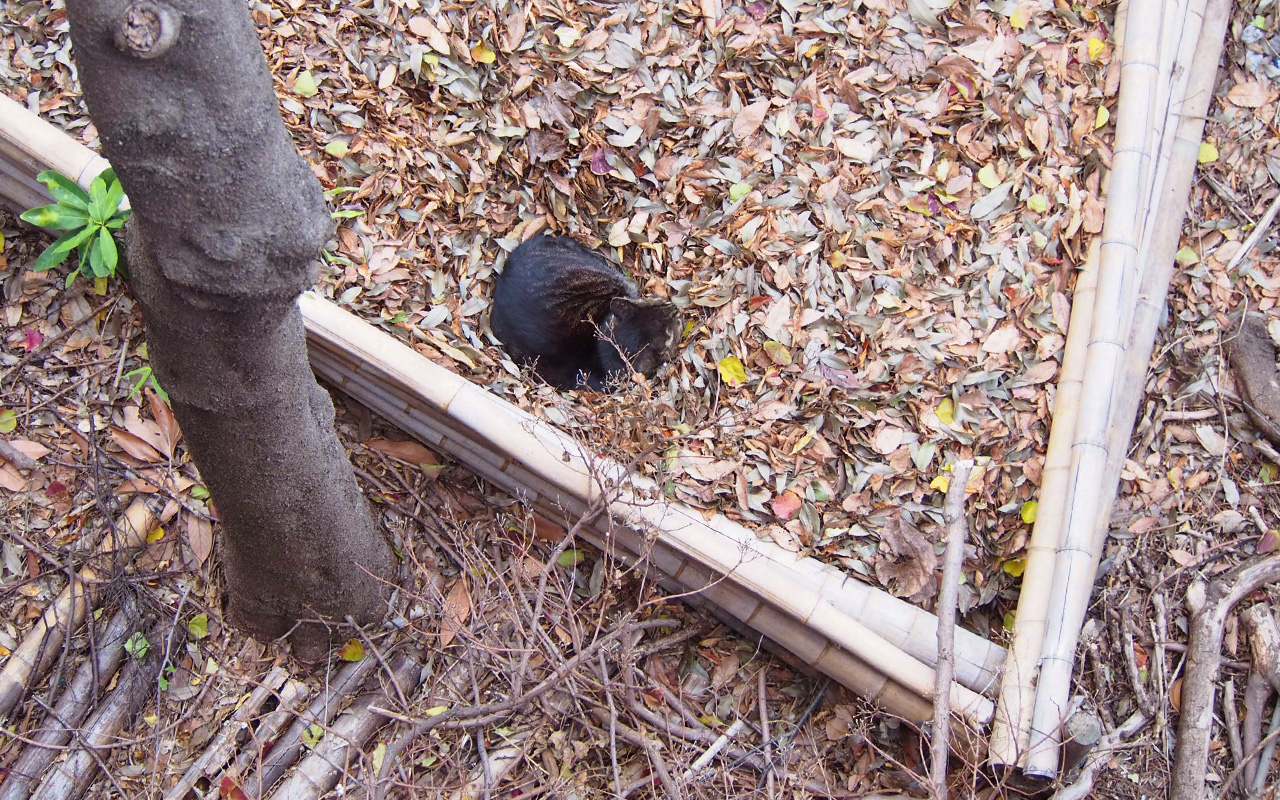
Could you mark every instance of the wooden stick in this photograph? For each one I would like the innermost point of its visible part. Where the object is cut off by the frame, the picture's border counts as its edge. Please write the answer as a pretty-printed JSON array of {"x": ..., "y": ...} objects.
[
  {"x": 71, "y": 777},
  {"x": 43, "y": 642},
  {"x": 30, "y": 146},
  {"x": 73, "y": 706},
  {"x": 948, "y": 594},
  {"x": 1209, "y": 607},
  {"x": 338, "y": 752}
]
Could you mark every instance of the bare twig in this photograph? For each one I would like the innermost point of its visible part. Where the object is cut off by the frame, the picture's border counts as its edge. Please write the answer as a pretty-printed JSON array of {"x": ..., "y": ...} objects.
[
  {"x": 1083, "y": 787},
  {"x": 953, "y": 562},
  {"x": 1209, "y": 607},
  {"x": 763, "y": 708}
]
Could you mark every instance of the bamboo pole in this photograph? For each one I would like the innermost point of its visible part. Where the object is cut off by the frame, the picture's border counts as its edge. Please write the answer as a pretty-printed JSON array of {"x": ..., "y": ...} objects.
[
  {"x": 30, "y": 146},
  {"x": 710, "y": 550},
  {"x": 44, "y": 641},
  {"x": 1011, "y": 728},
  {"x": 1162, "y": 228},
  {"x": 378, "y": 380},
  {"x": 1108, "y": 336}
]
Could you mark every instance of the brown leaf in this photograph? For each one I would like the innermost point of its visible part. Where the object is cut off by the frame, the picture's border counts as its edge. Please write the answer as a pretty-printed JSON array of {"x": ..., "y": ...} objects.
[
  {"x": 405, "y": 450},
  {"x": 1251, "y": 94},
  {"x": 134, "y": 445},
  {"x": 456, "y": 612},
  {"x": 424, "y": 27},
  {"x": 199, "y": 535},
  {"x": 544, "y": 146},
  {"x": 750, "y": 118},
  {"x": 906, "y": 559}
]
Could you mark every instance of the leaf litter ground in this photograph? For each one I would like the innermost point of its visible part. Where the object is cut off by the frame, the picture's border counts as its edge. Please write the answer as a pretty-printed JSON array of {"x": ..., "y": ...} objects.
[{"x": 873, "y": 228}]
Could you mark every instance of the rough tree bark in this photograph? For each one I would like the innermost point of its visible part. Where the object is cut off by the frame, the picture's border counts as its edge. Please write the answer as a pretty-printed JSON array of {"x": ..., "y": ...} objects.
[{"x": 227, "y": 221}]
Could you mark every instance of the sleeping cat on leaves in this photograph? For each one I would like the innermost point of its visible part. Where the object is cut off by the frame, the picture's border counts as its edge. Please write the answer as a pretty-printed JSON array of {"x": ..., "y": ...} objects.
[{"x": 571, "y": 316}]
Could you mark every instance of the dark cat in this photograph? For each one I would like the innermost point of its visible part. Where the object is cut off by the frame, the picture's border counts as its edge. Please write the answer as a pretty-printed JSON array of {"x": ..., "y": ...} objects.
[{"x": 571, "y": 315}]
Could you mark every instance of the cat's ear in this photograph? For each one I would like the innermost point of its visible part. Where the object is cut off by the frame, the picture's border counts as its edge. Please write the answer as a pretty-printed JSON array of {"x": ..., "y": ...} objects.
[{"x": 622, "y": 307}]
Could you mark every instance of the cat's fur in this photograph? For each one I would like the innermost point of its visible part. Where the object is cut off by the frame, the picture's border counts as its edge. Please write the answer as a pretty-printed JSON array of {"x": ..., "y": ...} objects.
[{"x": 572, "y": 316}]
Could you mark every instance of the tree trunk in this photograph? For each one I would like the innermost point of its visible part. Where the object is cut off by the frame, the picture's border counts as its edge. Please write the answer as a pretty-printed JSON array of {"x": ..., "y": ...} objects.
[{"x": 227, "y": 221}]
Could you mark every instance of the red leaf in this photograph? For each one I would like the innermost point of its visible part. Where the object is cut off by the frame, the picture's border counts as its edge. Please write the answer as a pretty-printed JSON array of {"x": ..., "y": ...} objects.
[
  {"x": 600, "y": 161},
  {"x": 228, "y": 788},
  {"x": 31, "y": 338},
  {"x": 786, "y": 504},
  {"x": 1269, "y": 543}
]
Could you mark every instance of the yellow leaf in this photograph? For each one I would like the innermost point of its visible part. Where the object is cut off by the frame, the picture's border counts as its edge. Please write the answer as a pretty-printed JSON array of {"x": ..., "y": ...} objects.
[
  {"x": 305, "y": 84},
  {"x": 436, "y": 711},
  {"x": 946, "y": 411},
  {"x": 376, "y": 757},
  {"x": 1038, "y": 203},
  {"x": 8, "y": 420},
  {"x": 1208, "y": 153},
  {"x": 804, "y": 440},
  {"x": 1096, "y": 48},
  {"x": 732, "y": 372},
  {"x": 99, "y": 286},
  {"x": 838, "y": 260},
  {"x": 353, "y": 650},
  {"x": 1029, "y": 509},
  {"x": 1186, "y": 257},
  {"x": 1014, "y": 567},
  {"x": 1021, "y": 17},
  {"x": 987, "y": 177},
  {"x": 155, "y": 536},
  {"x": 337, "y": 148},
  {"x": 813, "y": 50},
  {"x": 940, "y": 483},
  {"x": 1104, "y": 116},
  {"x": 481, "y": 54},
  {"x": 567, "y": 36}
]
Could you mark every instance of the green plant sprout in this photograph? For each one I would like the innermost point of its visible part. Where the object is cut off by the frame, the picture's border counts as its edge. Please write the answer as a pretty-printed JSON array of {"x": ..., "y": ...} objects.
[
  {"x": 88, "y": 219},
  {"x": 144, "y": 376}
]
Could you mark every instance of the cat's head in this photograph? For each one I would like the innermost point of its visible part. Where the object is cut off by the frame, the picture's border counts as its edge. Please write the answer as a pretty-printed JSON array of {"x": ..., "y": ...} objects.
[{"x": 646, "y": 331}]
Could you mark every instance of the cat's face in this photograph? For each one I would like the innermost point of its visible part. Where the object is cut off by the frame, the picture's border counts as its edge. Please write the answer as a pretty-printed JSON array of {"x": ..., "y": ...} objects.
[{"x": 647, "y": 331}]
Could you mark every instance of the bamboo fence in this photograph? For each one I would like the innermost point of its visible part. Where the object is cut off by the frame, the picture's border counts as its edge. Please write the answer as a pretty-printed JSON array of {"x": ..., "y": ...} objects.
[{"x": 877, "y": 645}]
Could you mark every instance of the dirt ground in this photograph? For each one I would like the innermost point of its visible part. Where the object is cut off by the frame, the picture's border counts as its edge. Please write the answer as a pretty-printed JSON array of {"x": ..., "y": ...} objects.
[{"x": 873, "y": 231}]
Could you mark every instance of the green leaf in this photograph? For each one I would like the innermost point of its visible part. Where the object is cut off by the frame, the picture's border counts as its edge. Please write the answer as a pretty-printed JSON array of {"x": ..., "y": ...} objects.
[
  {"x": 8, "y": 421},
  {"x": 353, "y": 650},
  {"x": 64, "y": 190},
  {"x": 97, "y": 261},
  {"x": 570, "y": 558},
  {"x": 137, "y": 645},
  {"x": 71, "y": 278},
  {"x": 109, "y": 253},
  {"x": 56, "y": 217},
  {"x": 198, "y": 627},
  {"x": 311, "y": 736},
  {"x": 739, "y": 191},
  {"x": 732, "y": 372},
  {"x": 337, "y": 148},
  {"x": 305, "y": 84},
  {"x": 98, "y": 200},
  {"x": 1029, "y": 510},
  {"x": 55, "y": 253},
  {"x": 115, "y": 193}
]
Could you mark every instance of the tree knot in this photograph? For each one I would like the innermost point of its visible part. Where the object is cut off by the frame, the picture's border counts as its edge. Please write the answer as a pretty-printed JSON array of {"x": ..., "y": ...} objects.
[{"x": 148, "y": 29}]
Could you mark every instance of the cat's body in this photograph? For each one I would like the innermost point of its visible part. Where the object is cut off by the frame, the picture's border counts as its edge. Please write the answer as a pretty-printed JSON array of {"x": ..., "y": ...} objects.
[{"x": 570, "y": 314}]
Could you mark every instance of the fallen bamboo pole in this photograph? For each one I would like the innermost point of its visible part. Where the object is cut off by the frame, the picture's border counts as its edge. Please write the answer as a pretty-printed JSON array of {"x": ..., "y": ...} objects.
[
  {"x": 1011, "y": 728},
  {"x": 750, "y": 575},
  {"x": 1118, "y": 277},
  {"x": 1101, "y": 449},
  {"x": 490, "y": 435}
]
